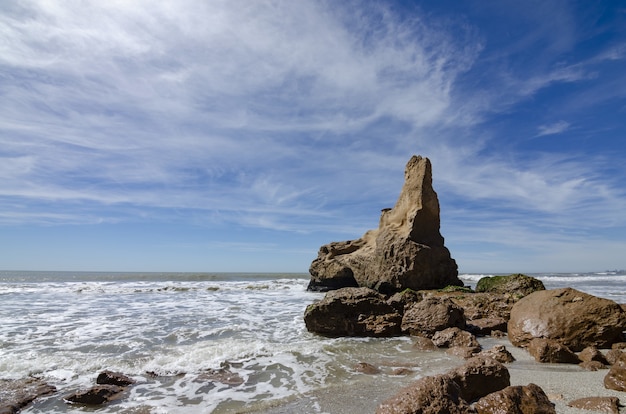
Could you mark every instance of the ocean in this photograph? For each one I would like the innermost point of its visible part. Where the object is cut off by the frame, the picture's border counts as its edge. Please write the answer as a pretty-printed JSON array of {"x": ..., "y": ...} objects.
[{"x": 208, "y": 342}]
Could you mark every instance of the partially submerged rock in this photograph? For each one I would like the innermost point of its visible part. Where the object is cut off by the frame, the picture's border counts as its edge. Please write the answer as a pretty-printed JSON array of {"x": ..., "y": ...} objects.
[
  {"x": 114, "y": 378},
  {"x": 96, "y": 395},
  {"x": 405, "y": 251},
  {"x": 451, "y": 337},
  {"x": 353, "y": 312},
  {"x": 17, "y": 394},
  {"x": 573, "y": 318}
]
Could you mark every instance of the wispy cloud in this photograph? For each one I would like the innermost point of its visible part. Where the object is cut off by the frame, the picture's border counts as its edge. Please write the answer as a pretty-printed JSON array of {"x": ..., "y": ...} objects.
[
  {"x": 552, "y": 129},
  {"x": 292, "y": 116}
]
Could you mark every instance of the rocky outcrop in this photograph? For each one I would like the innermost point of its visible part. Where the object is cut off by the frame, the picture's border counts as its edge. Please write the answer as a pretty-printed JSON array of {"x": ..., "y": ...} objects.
[
  {"x": 530, "y": 399},
  {"x": 575, "y": 319},
  {"x": 114, "y": 378},
  {"x": 353, "y": 312},
  {"x": 451, "y": 392},
  {"x": 430, "y": 315},
  {"x": 517, "y": 285},
  {"x": 17, "y": 394},
  {"x": 96, "y": 395},
  {"x": 405, "y": 251}
]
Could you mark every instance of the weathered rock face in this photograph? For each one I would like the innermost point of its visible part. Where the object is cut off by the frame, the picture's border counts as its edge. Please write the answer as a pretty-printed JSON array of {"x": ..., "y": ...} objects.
[
  {"x": 430, "y": 315},
  {"x": 573, "y": 318},
  {"x": 530, "y": 399},
  {"x": 353, "y": 312},
  {"x": 406, "y": 251}
]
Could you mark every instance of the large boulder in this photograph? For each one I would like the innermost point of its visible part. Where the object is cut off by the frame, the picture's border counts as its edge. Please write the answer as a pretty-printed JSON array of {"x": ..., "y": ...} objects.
[
  {"x": 430, "y": 315},
  {"x": 405, "y": 251},
  {"x": 575, "y": 319},
  {"x": 529, "y": 399},
  {"x": 517, "y": 285},
  {"x": 353, "y": 312},
  {"x": 551, "y": 351}
]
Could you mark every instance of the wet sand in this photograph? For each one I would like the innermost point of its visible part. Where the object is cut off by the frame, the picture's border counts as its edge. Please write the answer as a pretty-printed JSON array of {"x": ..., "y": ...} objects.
[{"x": 561, "y": 382}]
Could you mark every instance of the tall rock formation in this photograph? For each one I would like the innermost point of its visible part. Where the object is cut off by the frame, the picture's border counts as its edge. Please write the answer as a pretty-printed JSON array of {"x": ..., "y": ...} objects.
[{"x": 406, "y": 251}]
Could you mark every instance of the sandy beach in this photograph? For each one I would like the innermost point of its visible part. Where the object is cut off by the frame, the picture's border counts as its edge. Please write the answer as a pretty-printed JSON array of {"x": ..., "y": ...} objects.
[{"x": 561, "y": 382}]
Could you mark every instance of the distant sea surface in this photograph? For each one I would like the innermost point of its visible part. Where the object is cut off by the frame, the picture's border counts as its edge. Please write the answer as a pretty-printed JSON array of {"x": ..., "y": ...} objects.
[{"x": 204, "y": 342}]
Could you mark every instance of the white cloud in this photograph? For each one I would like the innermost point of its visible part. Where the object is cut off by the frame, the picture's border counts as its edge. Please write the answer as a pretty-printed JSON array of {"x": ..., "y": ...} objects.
[{"x": 554, "y": 128}]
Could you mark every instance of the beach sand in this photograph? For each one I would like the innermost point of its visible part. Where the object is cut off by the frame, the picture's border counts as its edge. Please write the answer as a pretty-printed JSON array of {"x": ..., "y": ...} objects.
[{"x": 561, "y": 382}]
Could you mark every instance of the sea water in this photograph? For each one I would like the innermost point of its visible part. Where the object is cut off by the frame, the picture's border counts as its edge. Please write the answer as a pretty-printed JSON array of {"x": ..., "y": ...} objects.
[{"x": 174, "y": 333}]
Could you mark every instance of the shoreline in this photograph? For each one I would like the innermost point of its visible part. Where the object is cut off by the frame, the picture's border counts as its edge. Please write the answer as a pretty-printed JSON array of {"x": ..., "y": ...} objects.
[{"x": 562, "y": 383}]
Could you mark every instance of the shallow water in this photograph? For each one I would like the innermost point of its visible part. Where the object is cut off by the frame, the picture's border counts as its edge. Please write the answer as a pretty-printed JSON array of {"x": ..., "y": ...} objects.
[{"x": 173, "y": 333}]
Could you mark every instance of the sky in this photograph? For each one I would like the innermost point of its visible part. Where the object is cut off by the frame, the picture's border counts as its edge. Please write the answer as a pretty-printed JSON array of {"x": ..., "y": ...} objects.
[{"x": 237, "y": 135}]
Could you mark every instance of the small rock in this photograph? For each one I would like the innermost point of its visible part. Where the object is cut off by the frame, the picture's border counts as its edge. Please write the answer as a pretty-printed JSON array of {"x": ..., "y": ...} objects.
[
  {"x": 401, "y": 371},
  {"x": 366, "y": 368},
  {"x": 551, "y": 351},
  {"x": 423, "y": 344},
  {"x": 591, "y": 353},
  {"x": 114, "y": 378},
  {"x": 518, "y": 285},
  {"x": 499, "y": 353},
  {"x": 97, "y": 395},
  {"x": 529, "y": 399},
  {"x": 616, "y": 377},
  {"x": 222, "y": 375},
  {"x": 464, "y": 352},
  {"x": 592, "y": 365},
  {"x": 606, "y": 404},
  {"x": 614, "y": 355},
  {"x": 454, "y": 336},
  {"x": 486, "y": 326}
]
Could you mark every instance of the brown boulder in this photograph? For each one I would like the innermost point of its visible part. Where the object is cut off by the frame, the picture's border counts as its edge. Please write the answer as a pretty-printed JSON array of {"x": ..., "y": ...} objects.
[
  {"x": 615, "y": 379},
  {"x": 431, "y": 315},
  {"x": 519, "y": 399},
  {"x": 353, "y": 312},
  {"x": 451, "y": 337},
  {"x": 591, "y": 353},
  {"x": 423, "y": 344},
  {"x": 480, "y": 376},
  {"x": 483, "y": 305},
  {"x": 97, "y": 395},
  {"x": 574, "y": 318},
  {"x": 17, "y": 394},
  {"x": 405, "y": 251},
  {"x": 551, "y": 351},
  {"x": 614, "y": 355},
  {"x": 429, "y": 395},
  {"x": 606, "y": 404}
]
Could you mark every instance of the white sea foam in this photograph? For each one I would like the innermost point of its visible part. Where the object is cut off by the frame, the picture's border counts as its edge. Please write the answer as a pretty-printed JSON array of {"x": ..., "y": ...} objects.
[{"x": 178, "y": 328}]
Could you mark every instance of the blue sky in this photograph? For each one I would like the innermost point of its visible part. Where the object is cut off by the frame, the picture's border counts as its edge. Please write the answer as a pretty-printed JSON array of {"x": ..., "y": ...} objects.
[{"x": 242, "y": 135}]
